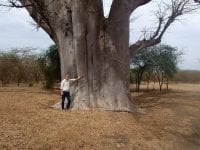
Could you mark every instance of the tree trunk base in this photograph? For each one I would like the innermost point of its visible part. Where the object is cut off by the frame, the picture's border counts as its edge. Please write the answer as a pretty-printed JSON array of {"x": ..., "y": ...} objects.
[{"x": 132, "y": 109}]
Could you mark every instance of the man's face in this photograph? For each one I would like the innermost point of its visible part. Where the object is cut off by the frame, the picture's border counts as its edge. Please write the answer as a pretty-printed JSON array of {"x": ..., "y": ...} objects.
[{"x": 66, "y": 76}]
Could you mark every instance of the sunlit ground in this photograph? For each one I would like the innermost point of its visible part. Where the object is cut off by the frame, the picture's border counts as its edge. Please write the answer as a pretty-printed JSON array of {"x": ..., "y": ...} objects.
[{"x": 172, "y": 122}]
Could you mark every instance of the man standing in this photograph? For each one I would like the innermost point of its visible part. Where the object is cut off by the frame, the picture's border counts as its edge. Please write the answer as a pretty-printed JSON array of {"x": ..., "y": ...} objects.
[{"x": 64, "y": 87}]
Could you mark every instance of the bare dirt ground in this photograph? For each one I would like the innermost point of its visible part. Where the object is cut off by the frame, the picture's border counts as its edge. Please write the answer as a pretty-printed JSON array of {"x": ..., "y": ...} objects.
[{"x": 172, "y": 122}]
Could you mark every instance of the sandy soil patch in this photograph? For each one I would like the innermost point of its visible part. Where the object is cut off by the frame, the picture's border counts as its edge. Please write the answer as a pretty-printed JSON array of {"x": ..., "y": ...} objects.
[{"x": 172, "y": 122}]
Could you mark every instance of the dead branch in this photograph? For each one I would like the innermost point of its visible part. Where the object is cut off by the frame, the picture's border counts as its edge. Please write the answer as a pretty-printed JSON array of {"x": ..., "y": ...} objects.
[
  {"x": 15, "y": 4},
  {"x": 166, "y": 15}
]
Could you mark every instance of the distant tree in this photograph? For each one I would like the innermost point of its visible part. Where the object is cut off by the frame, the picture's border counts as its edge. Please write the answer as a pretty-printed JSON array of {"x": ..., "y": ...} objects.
[
  {"x": 8, "y": 68},
  {"x": 50, "y": 66},
  {"x": 187, "y": 76},
  {"x": 160, "y": 61},
  {"x": 142, "y": 62},
  {"x": 24, "y": 58},
  {"x": 19, "y": 65},
  {"x": 166, "y": 59},
  {"x": 148, "y": 77},
  {"x": 33, "y": 72}
]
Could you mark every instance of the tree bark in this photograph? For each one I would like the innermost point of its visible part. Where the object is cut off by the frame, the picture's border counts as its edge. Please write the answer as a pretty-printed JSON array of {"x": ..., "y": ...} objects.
[
  {"x": 102, "y": 58},
  {"x": 93, "y": 47}
]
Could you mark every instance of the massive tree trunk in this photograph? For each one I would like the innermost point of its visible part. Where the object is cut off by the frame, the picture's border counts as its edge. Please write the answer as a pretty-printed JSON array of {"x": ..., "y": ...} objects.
[
  {"x": 93, "y": 47},
  {"x": 101, "y": 57}
]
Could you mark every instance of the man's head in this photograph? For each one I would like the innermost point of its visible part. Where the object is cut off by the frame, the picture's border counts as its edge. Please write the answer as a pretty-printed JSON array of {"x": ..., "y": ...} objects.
[{"x": 66, "y": 76}]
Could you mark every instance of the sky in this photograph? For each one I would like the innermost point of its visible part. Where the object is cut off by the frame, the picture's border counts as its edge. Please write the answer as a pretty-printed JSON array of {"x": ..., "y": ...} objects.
[{"x": 17, "y": 30}]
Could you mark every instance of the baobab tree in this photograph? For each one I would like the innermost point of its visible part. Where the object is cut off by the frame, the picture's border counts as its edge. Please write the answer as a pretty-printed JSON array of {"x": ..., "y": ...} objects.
[{"x": 96, "y": 47}]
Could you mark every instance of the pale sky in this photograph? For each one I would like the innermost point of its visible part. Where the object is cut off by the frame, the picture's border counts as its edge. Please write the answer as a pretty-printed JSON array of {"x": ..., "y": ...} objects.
[{"x": 16, "y": 30}]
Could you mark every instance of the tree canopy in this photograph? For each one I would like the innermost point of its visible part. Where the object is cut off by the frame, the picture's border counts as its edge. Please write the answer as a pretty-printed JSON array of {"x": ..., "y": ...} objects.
[
  {"x": 50, "y": 65},
  {"x": 160, "y": 61}
]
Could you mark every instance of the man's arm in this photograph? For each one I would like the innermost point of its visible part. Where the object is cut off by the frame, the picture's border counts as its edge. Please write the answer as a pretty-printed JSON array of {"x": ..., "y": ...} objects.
[{"x": 76, "y": 79}]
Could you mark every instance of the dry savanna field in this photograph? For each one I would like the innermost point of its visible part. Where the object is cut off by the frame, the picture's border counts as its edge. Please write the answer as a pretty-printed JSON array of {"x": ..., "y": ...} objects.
[{"x": 171, "y": 122}]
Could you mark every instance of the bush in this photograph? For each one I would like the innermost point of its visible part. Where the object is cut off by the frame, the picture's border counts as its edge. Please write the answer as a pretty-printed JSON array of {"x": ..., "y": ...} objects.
[
  {"x": 50, "y": 65},
  {"x": 187, "y": 76}
]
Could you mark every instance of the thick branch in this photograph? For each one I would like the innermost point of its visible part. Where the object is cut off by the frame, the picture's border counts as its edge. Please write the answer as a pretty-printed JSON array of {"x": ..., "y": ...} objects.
[
  {"x": 177, "y": 9},
  {"x": 121, "y": 7},
  {"x": 51, "y": 15},
  {"x": 15, "y": 4},
  {"x": 41, "y": 16},
  {"x": 142, "y": 44},
  {"x": 36, "y": 10}
]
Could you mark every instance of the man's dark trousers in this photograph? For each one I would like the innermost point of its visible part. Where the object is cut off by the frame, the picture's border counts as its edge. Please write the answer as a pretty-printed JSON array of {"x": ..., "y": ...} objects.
[{"x": 66, "y": 95}]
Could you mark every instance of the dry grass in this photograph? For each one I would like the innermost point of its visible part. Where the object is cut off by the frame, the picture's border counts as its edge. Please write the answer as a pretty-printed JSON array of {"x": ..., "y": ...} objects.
[
  {"x": 187, "y": 76},
  {"x": 172, "y": 122}
]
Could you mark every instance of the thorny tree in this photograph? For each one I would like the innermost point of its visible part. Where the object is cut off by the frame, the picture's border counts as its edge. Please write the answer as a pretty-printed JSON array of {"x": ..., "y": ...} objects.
[{"x": 96, "y": 47}]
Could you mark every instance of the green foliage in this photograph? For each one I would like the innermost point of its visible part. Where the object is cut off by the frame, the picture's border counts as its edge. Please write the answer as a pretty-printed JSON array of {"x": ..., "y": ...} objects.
[
  {"x": 50, "y": 65},
  {"x": 165, "y": 59},
  {"x": 132, "y": 76},
  {"x": 159, "y": 61},
  {"x": 142, "y": 63}
]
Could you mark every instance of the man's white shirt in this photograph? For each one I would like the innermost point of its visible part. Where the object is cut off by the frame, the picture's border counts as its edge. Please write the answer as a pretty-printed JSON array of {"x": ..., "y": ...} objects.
[{"x": 64, "y": 86}]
